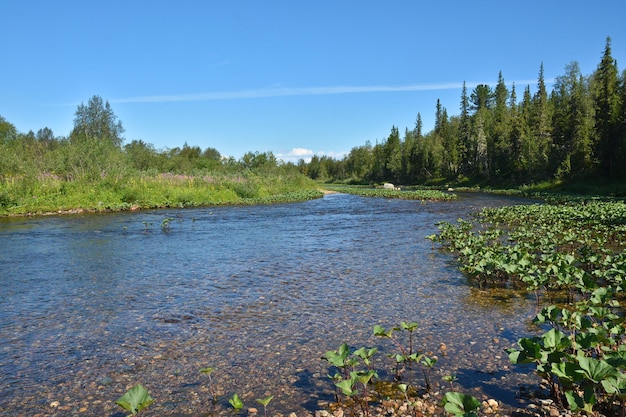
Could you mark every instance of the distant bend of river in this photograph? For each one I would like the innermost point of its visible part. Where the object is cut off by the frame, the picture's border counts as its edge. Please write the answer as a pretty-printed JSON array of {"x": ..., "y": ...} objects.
[{"x": 93, "y": 304}]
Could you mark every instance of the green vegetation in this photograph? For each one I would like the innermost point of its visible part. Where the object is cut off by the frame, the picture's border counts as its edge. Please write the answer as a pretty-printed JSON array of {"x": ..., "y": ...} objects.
[
  {"x": 359, "y": 387},
  {"x": 459, "y": 404},
  {"x": 575, "y": 132},
  {"x": 572, "y": 249},
  {"x": 264, "y": 402},
  {"x": 359, "y": 381},
  {"x": 92, "y": 170},
  {"x": 208, "y": 372},
  {"x": 414, "y": 194},
  {"x": 236, "y": 402},
  {"x": 572, "y": 246},
  {"x": 583, "y": 356},
  {"x": 135, "y": 399}
]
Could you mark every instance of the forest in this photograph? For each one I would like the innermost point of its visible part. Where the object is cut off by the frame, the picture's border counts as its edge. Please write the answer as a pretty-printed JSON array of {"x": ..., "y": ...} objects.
[{"x": 573, "y": 133}]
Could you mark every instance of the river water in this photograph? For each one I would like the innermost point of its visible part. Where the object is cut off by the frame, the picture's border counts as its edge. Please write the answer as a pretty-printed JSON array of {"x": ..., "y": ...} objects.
[{"x": 93, "y": 304}]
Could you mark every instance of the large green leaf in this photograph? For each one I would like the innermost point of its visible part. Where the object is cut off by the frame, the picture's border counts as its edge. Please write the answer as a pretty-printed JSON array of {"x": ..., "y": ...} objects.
[
  {"x": 594, "y": 369},
  {"x": 135, "y": 399},
  {"x": 346, "y": 387},
  {"x": 555, "y": 340},
  {"x": 615, "y": 385},
  {"x": 460, "y": 404}
]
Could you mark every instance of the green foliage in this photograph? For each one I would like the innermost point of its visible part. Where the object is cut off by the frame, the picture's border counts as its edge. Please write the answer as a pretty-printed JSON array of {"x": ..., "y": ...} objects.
[
  {"x": 577, "y": 248},
  {"x": 421, "y": 194},
  {"x": 567, "y": 246},
  {"x": 235, "y": 402},
  {"x": 355, "y": 373},
  {"x": 264, "y": 402},
  {"x": 135, "y": 399},
  {"x": 582, "y": 356},
  {"x": 459, "y": 404},
  {"x": 208, "y": 372}
]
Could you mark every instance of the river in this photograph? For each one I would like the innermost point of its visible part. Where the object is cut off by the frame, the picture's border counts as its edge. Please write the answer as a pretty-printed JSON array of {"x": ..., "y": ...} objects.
[{"x": 93, "y": 304}]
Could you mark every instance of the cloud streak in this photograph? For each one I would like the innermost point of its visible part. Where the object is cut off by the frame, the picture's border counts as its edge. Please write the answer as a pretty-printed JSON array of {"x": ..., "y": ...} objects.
[{"x": 303, "y": 91}]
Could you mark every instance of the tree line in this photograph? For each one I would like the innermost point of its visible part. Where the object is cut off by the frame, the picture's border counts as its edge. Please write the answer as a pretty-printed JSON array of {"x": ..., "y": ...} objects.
[
  {"x": 574, "y": 132},
  {"x": 95, "y": 150}
]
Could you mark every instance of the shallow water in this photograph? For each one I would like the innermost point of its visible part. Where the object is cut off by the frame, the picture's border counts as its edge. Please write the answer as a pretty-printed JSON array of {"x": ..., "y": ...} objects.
[{"x": 92, "y": 304}]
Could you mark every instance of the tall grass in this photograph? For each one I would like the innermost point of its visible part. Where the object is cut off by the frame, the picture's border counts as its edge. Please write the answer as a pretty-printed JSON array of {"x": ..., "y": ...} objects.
[{"x": 49, "y": 193}]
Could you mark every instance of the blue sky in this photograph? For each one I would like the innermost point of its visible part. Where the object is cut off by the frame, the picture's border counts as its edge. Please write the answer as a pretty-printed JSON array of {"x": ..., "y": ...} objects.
[{"x": 292, "y": 77}]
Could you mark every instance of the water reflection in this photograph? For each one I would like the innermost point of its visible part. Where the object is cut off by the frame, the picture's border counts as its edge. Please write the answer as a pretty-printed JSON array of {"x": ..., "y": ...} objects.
[{"x": 257, "y": 292}]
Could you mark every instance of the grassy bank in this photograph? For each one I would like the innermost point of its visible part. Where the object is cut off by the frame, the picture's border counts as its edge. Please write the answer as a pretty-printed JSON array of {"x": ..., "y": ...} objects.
[
  {"x": 411, "y": 193},
  {"x": 52, "y": 194}
]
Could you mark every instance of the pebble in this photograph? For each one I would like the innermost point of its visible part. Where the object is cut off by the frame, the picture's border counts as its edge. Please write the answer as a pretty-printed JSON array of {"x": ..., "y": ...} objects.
[{"x": 105, "y": 381}]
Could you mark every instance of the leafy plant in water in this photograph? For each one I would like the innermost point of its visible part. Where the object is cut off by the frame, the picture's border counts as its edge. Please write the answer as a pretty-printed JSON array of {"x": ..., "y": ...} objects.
[
  {"x": 404, "y": 389},
  {"x": 459, "y": 404},
  {"x": 583, "y": 355},
  {"x": 355, "y": 373},
  {"x": 264, "y": 402},
  {"x": 236, "y": 402},
  {"x": 405, "y": 355},
  {"x": 451, "y": 378},
  {"x": 208, "y": 372},
  {"x": 135, "y": 399},
  {"x": 165, "y": 224},
  {"x": 429, "y": 363}
]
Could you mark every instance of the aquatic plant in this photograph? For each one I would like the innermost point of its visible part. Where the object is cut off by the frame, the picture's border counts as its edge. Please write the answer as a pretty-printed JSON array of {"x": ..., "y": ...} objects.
[
  {"x": 264, "y": 402},
  {"x": 236, "y": 402},
  {"x": 429, "y": 363},
  {"x": 583, "y": 355},
  {"x": 355, "y": 373},
  {"x": 451, "y": 378},
  {"x": 405, "y": 355},
  {"x": 423, "y": 195},
  {"x": 208, "y": 372},
  {"x": 460, "y": 405},
  {"x": 165, "y": 224},
  {"x": 567, "y": 247},
  {"x": 135, "y": 399}
]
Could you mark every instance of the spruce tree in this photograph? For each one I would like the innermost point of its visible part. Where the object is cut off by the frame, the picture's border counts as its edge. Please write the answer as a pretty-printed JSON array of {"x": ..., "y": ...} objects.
[{"x": 607, "y": 106}]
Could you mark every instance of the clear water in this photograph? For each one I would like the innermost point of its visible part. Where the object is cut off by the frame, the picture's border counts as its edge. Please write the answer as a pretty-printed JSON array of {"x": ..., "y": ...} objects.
[{"x": 92, "y": 304}]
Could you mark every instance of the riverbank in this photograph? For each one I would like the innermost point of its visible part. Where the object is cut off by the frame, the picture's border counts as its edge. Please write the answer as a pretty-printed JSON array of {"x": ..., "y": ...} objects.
[{"x": 48, "y": 195}]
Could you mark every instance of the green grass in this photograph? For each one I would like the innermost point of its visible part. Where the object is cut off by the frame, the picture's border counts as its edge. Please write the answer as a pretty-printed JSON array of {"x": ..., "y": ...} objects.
[
  {"x": 409, "y": 194},
  {"x": 20, "y": 196}
]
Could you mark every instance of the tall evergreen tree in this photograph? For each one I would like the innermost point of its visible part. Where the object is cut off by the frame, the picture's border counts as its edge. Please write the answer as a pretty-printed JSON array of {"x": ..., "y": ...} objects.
[
  {"x": 482, "y": 97},
  {"x": 500, "y": 147},
  {"x": 465, "y": 133},
  {"x": 607, "y": 106},
  {"x": 572, "y": 126},
  {"x": 515, "y": 135},
  {"x": 541, "y": 128},
  {"x": 393, "y": 156}
]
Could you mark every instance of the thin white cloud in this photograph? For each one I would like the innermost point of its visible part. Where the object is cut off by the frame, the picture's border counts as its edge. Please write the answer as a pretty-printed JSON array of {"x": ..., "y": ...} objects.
[
  {"x": 302, "y": 91},
  {"x": 296, "y": 154}
]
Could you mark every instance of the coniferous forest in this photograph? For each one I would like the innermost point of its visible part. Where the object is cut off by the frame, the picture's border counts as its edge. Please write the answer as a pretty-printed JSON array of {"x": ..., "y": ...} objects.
[{"x": 505, "y": 136}]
